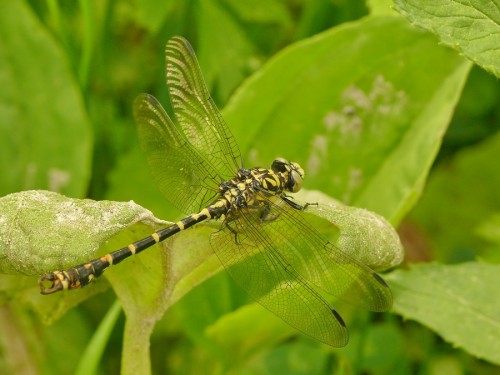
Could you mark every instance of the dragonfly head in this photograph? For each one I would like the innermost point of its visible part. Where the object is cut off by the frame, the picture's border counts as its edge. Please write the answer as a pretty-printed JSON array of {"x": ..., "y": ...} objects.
[{"x": 292, "y": 172}]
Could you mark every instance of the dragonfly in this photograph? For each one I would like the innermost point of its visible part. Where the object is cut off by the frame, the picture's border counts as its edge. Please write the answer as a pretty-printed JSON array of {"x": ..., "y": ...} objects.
[{"x": 264, "y": 240}]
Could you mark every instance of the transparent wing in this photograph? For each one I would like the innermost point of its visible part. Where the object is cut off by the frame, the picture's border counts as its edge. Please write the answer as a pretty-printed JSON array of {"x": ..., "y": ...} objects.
[
  {"x": 319, "y": 261},
  {"x": 267, "y": 276},
  {"x": 277, "y": 258},
  {"x": 182, "y": 175},
  {"x": 195, "y": 111}
]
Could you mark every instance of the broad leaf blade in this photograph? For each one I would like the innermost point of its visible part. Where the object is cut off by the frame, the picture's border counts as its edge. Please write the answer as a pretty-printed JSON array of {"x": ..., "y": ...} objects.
[
  {"x": 45, "y": 136},
  {"x": 472, "y": 27},
  {"x": 362, "y": 234},
  {"x": 43, "y": 231},
  {"x": 458, "y": 302},
  {"x": 362, "y": 107}
]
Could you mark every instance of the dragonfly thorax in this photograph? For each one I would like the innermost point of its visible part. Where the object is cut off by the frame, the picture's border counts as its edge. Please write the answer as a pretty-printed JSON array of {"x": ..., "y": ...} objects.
[{"x": 250, "y": 187}]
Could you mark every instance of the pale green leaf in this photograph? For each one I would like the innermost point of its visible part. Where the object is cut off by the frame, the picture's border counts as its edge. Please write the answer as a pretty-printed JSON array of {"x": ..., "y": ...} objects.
[
  {"x": 472, "y": 27},
  {"x": 458, "y": 302},
  {"x": 43, "y": 231},
  {"x": 234, "y": 58},
  {"x": 362, "y": 107},
  {"x": 45, "y": 136},
  {"x": 380, "y": 7},
  {"x": 364, "y": 235}
]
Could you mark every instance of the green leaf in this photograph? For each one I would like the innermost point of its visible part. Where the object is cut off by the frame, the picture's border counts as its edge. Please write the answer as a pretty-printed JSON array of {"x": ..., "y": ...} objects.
[
  {"x": 362, "y": 107},
  {"x": 458, "y": 302},
  {"x": 364, "y": 235},
  {"x": 43, "y": 145},
  {"x": 472, "y": 27},
  {"x": 380, "y": 7},
  {"x": 229, "y": 66},
  {"x": 43, "y": 231}
]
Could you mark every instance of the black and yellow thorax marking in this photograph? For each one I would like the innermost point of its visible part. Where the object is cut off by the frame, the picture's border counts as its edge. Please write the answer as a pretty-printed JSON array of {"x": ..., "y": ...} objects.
[{"x": 249, "y": 188}]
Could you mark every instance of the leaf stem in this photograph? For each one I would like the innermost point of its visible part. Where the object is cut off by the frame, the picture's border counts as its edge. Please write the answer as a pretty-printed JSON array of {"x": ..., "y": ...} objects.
[{"x": 90, "y": 359}]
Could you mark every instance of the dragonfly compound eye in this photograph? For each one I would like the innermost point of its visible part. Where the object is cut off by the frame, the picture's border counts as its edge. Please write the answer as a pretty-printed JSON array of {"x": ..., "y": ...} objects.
[
  {"x": 280, "y": 165},
  {"x": 294, "y": 181}
]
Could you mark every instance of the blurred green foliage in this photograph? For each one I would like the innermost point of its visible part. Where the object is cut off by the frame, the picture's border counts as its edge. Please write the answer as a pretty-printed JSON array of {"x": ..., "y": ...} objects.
[{"x": 350, "y": 90}]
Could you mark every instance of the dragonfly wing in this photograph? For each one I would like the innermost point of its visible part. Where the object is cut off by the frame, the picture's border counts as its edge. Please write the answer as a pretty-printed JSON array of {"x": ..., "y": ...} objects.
[
  {"x": 259, "y": 269},
  {"x": 321, "y": 262},
  {"x": 180, "y": 172},
  {"x": 196, "y": 112}
]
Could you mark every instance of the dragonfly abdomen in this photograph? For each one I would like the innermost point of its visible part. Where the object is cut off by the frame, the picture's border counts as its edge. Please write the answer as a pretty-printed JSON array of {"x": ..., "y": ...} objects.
[{"x": 83, "y": 274}]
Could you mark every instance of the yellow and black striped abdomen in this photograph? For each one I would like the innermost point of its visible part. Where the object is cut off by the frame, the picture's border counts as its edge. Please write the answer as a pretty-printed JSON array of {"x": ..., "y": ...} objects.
[
  {"x": 236, "y": 194},
  {"x": 84, "y": 273}
]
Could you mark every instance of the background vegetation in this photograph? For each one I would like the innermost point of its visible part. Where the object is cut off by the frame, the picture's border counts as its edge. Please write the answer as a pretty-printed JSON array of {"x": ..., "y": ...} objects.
[{"x": 396, "y": 112}]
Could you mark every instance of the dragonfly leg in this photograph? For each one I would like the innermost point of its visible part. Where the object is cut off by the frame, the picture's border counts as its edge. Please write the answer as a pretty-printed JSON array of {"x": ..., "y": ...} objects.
[
  {"x": 297, "y": 206},
  {"x": 233, "y": 232}
]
